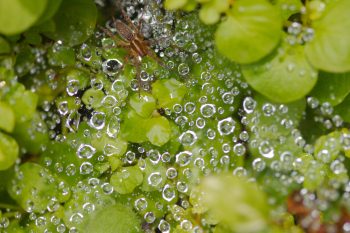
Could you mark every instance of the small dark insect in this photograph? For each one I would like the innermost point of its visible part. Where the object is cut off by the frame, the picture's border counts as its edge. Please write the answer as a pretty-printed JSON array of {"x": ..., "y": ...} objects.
[{"x": 133, "y": 41}]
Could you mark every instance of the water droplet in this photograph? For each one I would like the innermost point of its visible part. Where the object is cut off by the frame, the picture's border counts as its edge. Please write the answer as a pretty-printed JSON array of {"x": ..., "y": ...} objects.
[
  {"x": 85, "y": 151},
  {"x": 111, "y": 66},
  {"x": 183, "y": 69},
  {"x": 226, "y": 126},
  {"x": 266, "y": 149},
  {"x": 86, "y": 168},
  {"x": 168, "y": 193},
  {"x": 249, "y": 105},
  {"x": 208, "y": 110},
  {"x": 164, "y": 226},
  {"x": 188, "y": 138},
  {"x": 72, "y": 87},
  {"x": 154, "y": 179},
  {"x": 239, "y": 149},
  {"x": 183, "y": 158},
  {"x": 268, "y": 109},
  {"x": 97, "y": 120}
]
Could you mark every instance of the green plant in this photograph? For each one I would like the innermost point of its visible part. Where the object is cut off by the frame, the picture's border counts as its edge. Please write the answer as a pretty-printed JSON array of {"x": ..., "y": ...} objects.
[{"x": 244, "y": 129}]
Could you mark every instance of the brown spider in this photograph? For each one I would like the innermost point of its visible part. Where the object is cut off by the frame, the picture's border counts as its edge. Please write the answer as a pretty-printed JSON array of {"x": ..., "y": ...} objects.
[{"x": 133, "y": 41}]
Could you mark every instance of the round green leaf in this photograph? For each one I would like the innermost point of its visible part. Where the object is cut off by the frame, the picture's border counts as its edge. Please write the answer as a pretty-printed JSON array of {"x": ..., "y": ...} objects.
[
  {"x": 158, "y": 132},
  {"x": 75, "y": 21},
  {"x": 330, "y": 48},
  {"x": 127, "y": 179},
  {"x": 168, "y": 92},
  {"x": 18, "y": 15},
  {"x": 332, "y": 87},
  {"x": 208, "y": 14},
  {"x": 250, "y": 32},
  {"x": 116, "y": 218},
  {"x": 34, "y": 177},
  {"x": 282, "y": 77},
  {"x": 143, "y": 104},
  {"x": 8, "y": 151}
]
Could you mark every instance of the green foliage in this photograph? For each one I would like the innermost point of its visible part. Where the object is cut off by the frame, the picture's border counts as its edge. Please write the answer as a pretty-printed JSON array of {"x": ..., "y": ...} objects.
[
  {"x": 240, "y": 215},
  {"x": 143, "y": 104},
  {"x": 74, "y": 21},
  {"x": 250, "y": 32},
  {"x": 116, "y": 218},
  {"x": 330, "y": 49},
  {"x": 8, "y": 151},
  {"x": 7, "y": 120},
  {"x": 229, "y": 121},
  {"x": 4, "y": 46},
  {"x": 168, "y": 92},
  {"x": 37, "y": 178},
  {"x": 18, "y": 15},
  {"x": 126, "y": 179},
  {"x": 284, "y": 77},
  {"x": 332, "y": 87}
]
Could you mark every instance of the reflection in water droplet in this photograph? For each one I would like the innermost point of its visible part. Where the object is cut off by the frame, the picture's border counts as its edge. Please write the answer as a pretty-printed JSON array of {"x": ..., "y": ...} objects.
[
  {"x": 208, "y": 110},
  {"x": 226, "y": 126},
  {"x": 266, "y": 150},
  {"x": 249, "y": 105},
  {"x": 111, "y": 66},
  {"x": 188, "y": 138},
  {"x": 183, "y": 69},
  {"x": 86, "y": 151},
  {"x": 97, "y": 120}
]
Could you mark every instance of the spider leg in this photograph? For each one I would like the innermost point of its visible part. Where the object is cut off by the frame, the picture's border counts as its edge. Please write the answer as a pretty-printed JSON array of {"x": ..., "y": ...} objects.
[
  {"x": 108, "y": 32},
  {"x": 128, "y": 20}
]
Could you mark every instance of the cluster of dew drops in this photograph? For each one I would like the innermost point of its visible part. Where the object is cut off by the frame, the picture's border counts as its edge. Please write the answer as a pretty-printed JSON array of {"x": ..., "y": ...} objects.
[{"x": 214, "y": 120}]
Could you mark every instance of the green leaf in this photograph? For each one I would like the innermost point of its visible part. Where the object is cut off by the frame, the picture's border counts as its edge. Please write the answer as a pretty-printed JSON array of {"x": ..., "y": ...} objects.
[
  {"x": 37, "y": 186},
  {"x": 330, "y": 48},
  {"x": 111, "y": 146},
  {"x": 18, "y": 15},
  {"x": 93, "y": 98},
  {"x": 61, "y": 56},
  {"x": 32, "y": 38},
  {"x": 154, "y": 175},
  {"x": 249, "y": 210},
  {"x": 330, "y": 144},
  {"x": 23, "y": 103},
  {"x": 143, "y": 104},
  {"x": 250, "y": 32},
  {"x": 332, "y": 87},
  {"x": 7, "y": 119},
  {"x": 284, "y": 77},
  {"x": 8, "y": 151},
  {"x": 51, "y": 8},
  {"x": 168, "y": 92},
  {"x": 127, "y": 179},
  {"x": 134, "y": 128},
  {"x": 111, "y": 219},
  {"x": 75, "y": 21},
  {"x": 31, "y": 135},
  {"x": 208, "y": 14},
  {"x": 159, "y": 130},
  {"x": 343, "y": 109},
  {"x": 4, "y": 46}
]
